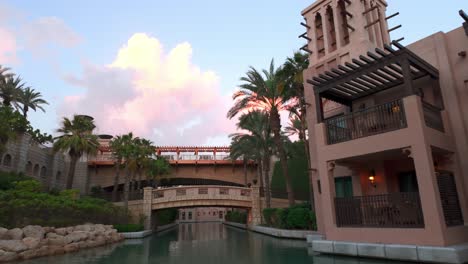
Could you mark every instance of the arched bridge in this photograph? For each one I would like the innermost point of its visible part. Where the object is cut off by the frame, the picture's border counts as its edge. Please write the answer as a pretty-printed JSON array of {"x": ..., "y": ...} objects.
[{"x": 197, "y": 196}]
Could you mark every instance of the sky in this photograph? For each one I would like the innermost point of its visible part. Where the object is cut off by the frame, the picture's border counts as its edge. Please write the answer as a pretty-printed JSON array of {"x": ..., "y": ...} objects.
[{"x": 165, "y": 70}]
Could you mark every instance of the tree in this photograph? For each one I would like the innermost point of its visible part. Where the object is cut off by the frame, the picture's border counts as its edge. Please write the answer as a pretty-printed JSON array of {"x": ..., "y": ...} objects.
[
  {"x": 76, "y": 138},
  {"x": 116, "y": 146},
  {"x": 292, "y": 72},
  {"x": 11, "y": 123},
  {"x": 256, "y": 144},
  {"x": 27, "y": 99},
  {"x": 266, "y": 93},
  {"x": 145, "y": 154},
  {"x": 157, "y": 168},
  {"x": 10, "y": 89}
]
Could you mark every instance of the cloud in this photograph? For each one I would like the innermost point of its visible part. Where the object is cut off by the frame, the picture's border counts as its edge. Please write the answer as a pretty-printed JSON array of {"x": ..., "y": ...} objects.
[
  {"x": 8, "y": 47},
  {"x": 156, "y": 94},
  {"x": 44, "y": 34}
]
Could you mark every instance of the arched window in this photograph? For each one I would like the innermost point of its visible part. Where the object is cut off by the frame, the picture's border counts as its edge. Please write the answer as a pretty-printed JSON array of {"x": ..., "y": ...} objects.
[
  {"x": 319, "y": 35},
  {"x": 29, "y": 168},
  {"x": 43, "y": 172},
  {"x": 58, "y": 178},
  {"x": 330, "y": 20},
  {"x": 7, "y": 160},
  {"x": 343, "y": 20},
  {"x": 36, "y": 170}
]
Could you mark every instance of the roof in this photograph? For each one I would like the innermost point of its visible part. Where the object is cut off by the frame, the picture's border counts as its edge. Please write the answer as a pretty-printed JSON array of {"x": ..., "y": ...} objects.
[{"x": 371, "y": 74}]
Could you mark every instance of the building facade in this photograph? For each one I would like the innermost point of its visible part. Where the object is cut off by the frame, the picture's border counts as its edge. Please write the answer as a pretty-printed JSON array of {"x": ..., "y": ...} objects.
[{"x": 387, "y": 127}]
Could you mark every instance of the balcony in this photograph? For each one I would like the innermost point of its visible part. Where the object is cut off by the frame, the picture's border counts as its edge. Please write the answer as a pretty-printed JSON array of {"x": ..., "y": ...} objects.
[
  {"x": 371, "y": 121},
  {"x": 395, "y": 210}
]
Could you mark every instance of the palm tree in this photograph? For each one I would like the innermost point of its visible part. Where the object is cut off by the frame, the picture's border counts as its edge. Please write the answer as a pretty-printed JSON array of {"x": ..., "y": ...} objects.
[
  {"x": 27, "y": 99},
  {"x": 157, "y": 168},
  {"x": 10, "y": 89},
  {"x": 129, "y": 153},
  {"x": 266, "y": 94},
  {"x": 292, "y": 72},
  {"x": 145, "y": 153},
  {"x": 77, "y": 138},
  {"x": 256, "y": 143},
  {"x": 116, "y": 146}
]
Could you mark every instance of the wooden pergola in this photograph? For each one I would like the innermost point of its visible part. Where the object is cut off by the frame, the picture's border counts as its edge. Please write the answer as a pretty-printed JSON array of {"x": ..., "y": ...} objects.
[{"x": 371, "y": 74}]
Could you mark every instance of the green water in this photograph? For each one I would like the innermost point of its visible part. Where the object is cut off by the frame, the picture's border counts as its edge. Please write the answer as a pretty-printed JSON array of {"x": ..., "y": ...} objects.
[{"x": 207, "y": 243}]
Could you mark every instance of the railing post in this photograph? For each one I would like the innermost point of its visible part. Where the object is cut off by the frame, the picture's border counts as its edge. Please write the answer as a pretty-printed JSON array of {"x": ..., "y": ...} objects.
[{"x": 147, "y": 202}]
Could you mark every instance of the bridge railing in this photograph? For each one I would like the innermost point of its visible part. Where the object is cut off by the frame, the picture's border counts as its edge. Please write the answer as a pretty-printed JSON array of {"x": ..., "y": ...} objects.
[{"x": 201, "y": 192}]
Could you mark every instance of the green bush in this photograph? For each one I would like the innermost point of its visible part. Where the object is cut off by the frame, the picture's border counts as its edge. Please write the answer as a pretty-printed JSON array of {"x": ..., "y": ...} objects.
[
  {"x": 166, "y": 216},
  {"x": 9, "y": 179},
  {"x": 298, "y": 218},
  {"x": 123, "y": 228},
  {"x": 236, "y": 216},
  {"x": 25, "y": 204}
]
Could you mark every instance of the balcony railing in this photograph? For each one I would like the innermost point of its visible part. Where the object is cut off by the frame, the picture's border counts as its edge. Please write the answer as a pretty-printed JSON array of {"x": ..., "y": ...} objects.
[
  {"x": 396, "y": 210},
  {"x": 363, "y": 123},
  {"x": 433, "y": 117}
]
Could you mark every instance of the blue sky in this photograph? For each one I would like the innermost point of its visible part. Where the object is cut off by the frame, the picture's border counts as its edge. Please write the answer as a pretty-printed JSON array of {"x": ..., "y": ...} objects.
[{"x": 224, "y": 38}]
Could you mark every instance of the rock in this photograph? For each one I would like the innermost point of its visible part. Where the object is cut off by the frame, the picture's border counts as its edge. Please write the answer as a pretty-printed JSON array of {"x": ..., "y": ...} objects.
[
  {"x": 7, "y": 256},
  {"x": 15, "y": 234},
  {"x": 70, "y": 229},
  {"x": 71, "y": 247},
  {"x": 86, "y": 228},
  {"x": 28, "y": 254},
  {"x": 42, "y": 251},
  {"x": 77, "y": 236},
  {"x": 58, "y": 241},
  {"x": 31, "y": 242},
  {"x": 34, "y": 231},
  {"x": 3, "y": 233},
  {"x": 13, "y": 245},
  {"x": 61, "y": 231},
  {"x": 55, "y": 250},
  {"x": 99, "y": 228},
  {"x": 49, "y": 229}
]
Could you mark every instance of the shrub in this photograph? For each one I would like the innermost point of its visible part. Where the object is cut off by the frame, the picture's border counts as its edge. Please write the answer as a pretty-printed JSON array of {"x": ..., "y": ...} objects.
[
  {"x": 123, "y": 228},
  {"x": 313, "y": 220},
  {"x": 166, "y": 216},
  {"x": 9, "y": 179},
  {"x": 298, "y": 218},
  {"x": 268, "y": 214},
  {"x": 236, "y": 216},
  {"x": 25, "y": 205}
]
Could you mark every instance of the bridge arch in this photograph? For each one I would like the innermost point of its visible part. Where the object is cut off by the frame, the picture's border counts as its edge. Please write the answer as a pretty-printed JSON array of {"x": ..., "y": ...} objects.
[{"x": 202, "y": 196}]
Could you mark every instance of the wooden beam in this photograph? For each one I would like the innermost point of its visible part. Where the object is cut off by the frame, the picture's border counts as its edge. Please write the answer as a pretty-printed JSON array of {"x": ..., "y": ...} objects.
[
  {"x": 393, "y": 15},
  {"x": 304, "y": 48},
  {"x": 318, "y": 108},
  {"x": 304, "y": 35},
  {"x": 305, "y": 25},
  {"x": 394, "y": 28},
  {"x": 371, "y": 24},
  {"x": 370, "y": 9}
]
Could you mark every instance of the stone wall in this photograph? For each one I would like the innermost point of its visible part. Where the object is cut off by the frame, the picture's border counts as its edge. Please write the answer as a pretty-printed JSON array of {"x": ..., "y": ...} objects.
[{"x": 36, "y": 241}]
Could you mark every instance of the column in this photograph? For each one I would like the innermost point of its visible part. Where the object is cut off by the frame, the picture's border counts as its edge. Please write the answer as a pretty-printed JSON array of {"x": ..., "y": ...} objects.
[
  {"x": 147, "y": 202},
  {"x": 255, "y": 213},
  {"x": 338, "y": 27}
]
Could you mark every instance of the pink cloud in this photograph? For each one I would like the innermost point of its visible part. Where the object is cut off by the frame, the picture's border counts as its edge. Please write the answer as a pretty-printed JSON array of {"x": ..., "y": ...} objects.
[
  {"x": 8, "y": 47},
  {"x": 154, "y": 93}
]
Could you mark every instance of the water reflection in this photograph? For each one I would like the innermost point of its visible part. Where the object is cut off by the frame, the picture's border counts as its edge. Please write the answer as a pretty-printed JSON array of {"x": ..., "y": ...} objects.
[{"x": 203, "y": 243}]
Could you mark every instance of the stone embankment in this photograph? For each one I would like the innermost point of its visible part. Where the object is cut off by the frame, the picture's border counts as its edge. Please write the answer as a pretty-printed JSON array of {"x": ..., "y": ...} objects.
[{"x": 36, "y": 241}]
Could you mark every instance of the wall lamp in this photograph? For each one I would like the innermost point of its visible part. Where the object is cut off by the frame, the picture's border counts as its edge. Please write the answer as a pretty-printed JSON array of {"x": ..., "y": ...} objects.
[{"x": 372, "y": 178}]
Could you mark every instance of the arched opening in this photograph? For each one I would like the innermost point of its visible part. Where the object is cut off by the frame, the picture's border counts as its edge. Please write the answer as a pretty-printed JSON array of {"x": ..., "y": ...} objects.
[
  {"x": 7, "y": 160},
  {"x": 36, "y": 170},
  {"x": 319, "y": 35},
  {"x": 43, "y": 172},
  {"x": 58, "y": 178},
  {"x": 29, "y": 168},
  {"x": 330, "y": 20},
  {"x": 343, "y": 21}
]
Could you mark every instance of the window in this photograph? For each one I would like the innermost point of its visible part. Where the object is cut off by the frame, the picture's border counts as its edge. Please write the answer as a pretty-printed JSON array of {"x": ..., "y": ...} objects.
[
  {"x": 344, "y": 187},
  {"x": 7, "y": 160},
  {"x": 190, "y": 216},
  {"x": 36, "y": 170},
  {"x": 29, "y": 168},
  {"x": 43, "y": 172}
]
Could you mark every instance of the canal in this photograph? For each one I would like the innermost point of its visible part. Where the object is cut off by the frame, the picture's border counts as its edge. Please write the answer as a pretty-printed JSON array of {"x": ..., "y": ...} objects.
[{"x": 207, "y": 243}]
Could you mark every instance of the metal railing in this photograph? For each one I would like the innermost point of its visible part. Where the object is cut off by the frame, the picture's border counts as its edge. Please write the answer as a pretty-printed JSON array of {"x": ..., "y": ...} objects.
[
  {"x": 367, "y": 122},
  {"x": 433, "y": 116},
  {"x": 395, "y": 210}
]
